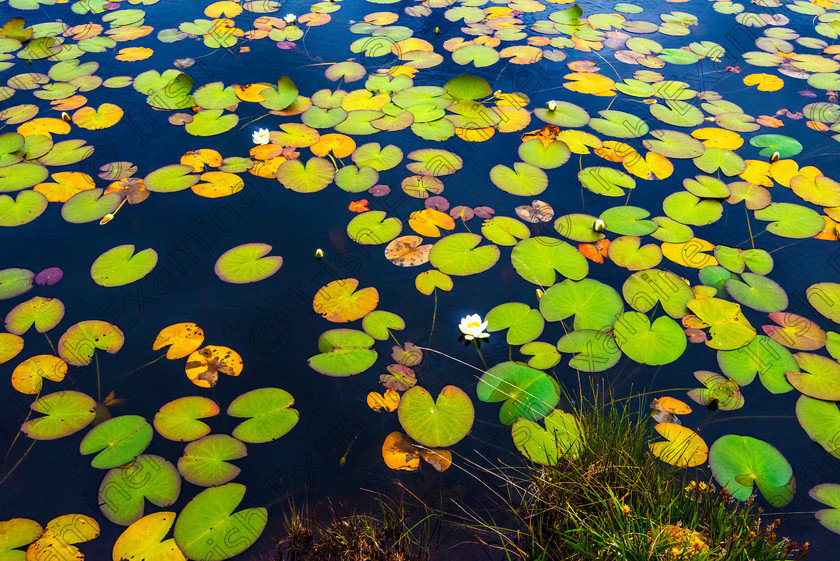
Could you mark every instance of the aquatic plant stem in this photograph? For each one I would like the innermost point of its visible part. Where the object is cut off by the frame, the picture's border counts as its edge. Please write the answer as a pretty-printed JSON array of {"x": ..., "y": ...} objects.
[
  {"x": 47, "y": 337},
  {"x": 17, "y": 435},
  {"x": 98, "y": 379},
  {"x": 481, "y": 356},
  {"x": 335, "y": 165},
  {"x": 434, "y": 316},
  {"x": 129, "y": 373},
  {"x": 749, "y": 226},
  {"x": 14, "y": 467},
  {"x": 394, "y": 338}
]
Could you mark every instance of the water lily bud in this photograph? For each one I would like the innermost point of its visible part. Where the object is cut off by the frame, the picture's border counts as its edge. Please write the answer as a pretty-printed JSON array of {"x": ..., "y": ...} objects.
[
  {"x": 599, "y": 225},
  {"x": 65, "y": 117},
  {"x": 552, "y": 105},
  {"x": 775, "y": 157},
  {"x": 437, "y": 30},
  {"x": 540, "y": 293},
  {"x": 105, "y": 219},
  {"x": 319, "y": 254}
]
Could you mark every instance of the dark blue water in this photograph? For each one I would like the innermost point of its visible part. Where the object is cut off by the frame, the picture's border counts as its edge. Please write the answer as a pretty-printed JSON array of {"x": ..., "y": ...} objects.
[{"x": 272, "y": 325}]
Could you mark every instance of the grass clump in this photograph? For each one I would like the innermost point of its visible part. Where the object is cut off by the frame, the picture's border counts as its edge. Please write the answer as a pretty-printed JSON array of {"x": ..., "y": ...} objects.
[
  {"x": 385, "y": 536},
  {"x": 612, "y": 499}
]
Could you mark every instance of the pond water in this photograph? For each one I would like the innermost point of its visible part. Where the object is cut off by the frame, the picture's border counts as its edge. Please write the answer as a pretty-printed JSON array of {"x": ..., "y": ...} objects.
[{"x": 722, "y": 266}]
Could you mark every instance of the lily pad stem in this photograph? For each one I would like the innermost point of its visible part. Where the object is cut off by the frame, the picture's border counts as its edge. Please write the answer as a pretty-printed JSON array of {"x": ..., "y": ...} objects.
[
  {"x": 50, "y": 342},
  {"x": 14, "y": 467},
  {"x": 144, "y": 366},
  {"x": 434, "y": 316},
  {"x": 9, "y": 449}
]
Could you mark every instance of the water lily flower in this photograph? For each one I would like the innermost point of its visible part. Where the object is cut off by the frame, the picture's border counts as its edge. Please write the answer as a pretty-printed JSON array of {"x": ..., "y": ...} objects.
[
  {"x": 552, "y": 105},
  {"x": 473, "y": 328},
  {"x": 260, "y": 136},
  {"x": 289, "y": 18}
]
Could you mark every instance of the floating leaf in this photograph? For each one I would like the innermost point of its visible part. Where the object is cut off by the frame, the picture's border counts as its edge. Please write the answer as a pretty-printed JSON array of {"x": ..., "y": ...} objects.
[
  {"x": 205, "y": 461},
  {"x": 459, "y": 255},
  {"x": 795, "y": 332},
  {"x": 309, "y": 178},
  {"x": 118, "y": 440},
  {"x": 373, "y": 228},
  {"x": 828, "y": 494},
  {"x": 65, "y": 412},
  {"x": 181, "y": 338},
  {"x": 820, "y": 379},
  {"x": 343, "y": 352},
  {"x": 661, "y": 342},
  {"x": 10, "y": 346},
  {"x": 400, "y": 452},
  {"x": 123, "y": 491},
  {"x": 441, "y": 422},
  {"x": 203, "y": 366},
  {"x": 407, "y": 251},
  {"x": 739, "y": 461},
  {"x": 683, "y": 446},
  {"x": 16, "y": 533},
  {"x": 120, "y": 266},
  {"x": 178, "y": 419},
  {"x": 821, "y": 421},
  {"x": 559, "y": 438},
  {"x": 28, "y": 376},
  {"x": 59, "y": 536},
  {"x": 595, "y": 305},
  {"x": 339, "y": 301},
  {"x": 144, "y": 539},
  {"x": 43, "y": 313},
  {"x": 378, "y": 324},
  {"x": 525, "y": 391},
  {"x": 78, "y": 344},
  {"x": 761, "y": 356},
  {"x": 536, "y": 260},
  {"x": 247, "y": 263},
  {"x": 524, "y": 179},
  {"x": 725, "y": 393},
  {"x": 270, "y": 415}
]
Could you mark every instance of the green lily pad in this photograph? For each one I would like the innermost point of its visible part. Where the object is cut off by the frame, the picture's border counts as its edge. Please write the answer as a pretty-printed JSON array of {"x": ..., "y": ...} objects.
[
  {"x": 823, "y": 296},
  {"x": 525, "y": 391},
  {"x": 560, "y": 438},
  {"x": 606, "y": 181},
  {"x": 739, "y": 461},
  {"x": 270, "y": 411},
  {"x": 628, "y": 221},
  {"x": 378, "y": 324},
  {"x": 791, "y": 220},
  {"x": 503, "y": 230},
  {"x": 705, "y": 186},
  {"x": 65, "y": 412},
  {"x": 786, "y": 146},
  {"x": 628, "y": 252},
  {"x": 533, "y": 152},
  {"x": 380, "y": 159},
  {"x": 821, "y": 421},
  {"x": 436, "y": 423},
  {"x": 821, "y": 190},
  {"x": 671, "y": 231},
  {"x": 524, "y": 179},
  {"x": 817, "y": 376},
  {"x": 17, "y": 533},
  {"x": 565, "y": 114},
  {"x": 687, "y": 208},
  {"x": 674, "y": 144},
  {"x": 734, "y": 259},
  {"x": 659, "y": 343},
  {"x": 427, "y": 281},
  {"x": 211, "y": 122},
  {"x": 578, "y": 227},
  {"x": 595, "y": 305},
  {"x": 309, "y": 178},
  {"x": 543, "y": 355},
  {"x": 124, "y": 489},
  {"x": 118, "y": 440},
  {"x": 344, "y": 352},
  {"x": 26, "y": 207},
  {"x": 120, "y": 266},
  {"x": 209, "y": 518},
  {"x": 537, "y": 259},
  {"x": 43, "y": 313},
  {"x": 523, "y": 323},
  {"x": 644, "y": 289},
  {"x": 597, "y": 351},
  {"x": 178, "y": 419},
  {"x": 758, "y": 292},
  {"x": 433, "y": 161},
  {"x": 215, "y": 96},
  {"x": 729, "y": 329},
  {"x": 21, "y": 176},
  {"x": 828, "y": 494},
  {"x": 373, "y": 228},
  {"x": 78, "y": 344},
  {"x": 14, "y": 282},
  {"x": 714, "y": 159},
  {"x": 168, "y": 179},
  {"x": 205, "y": 462},
  {"x": 677, "y": 113},
  {"x": 247, "y": 263},
  {"x": 458, "y": 255},
  {"x": 619, "y": 124},
  {"x": 467, "y": 87},
  {"x": 762, "y": 356},
  {"x": 356, "y": 179}
]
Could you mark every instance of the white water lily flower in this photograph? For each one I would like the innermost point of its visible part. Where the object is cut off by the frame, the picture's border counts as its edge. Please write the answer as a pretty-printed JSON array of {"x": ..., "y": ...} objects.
[
  {"x": 473, "y": 328},
  {"x": 289, "y": 18},
  {"x": 260, "y": 136},
  {"x": 552, "y": 105}
]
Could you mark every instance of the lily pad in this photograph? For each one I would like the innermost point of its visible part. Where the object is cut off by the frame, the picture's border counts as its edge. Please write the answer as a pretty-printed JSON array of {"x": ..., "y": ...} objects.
[
  {"x": 42, "y": 313},
  {"x": 595, "y": 305},
  {"x": 761, "y": 356},
  {"x": 81, "y": 340},
  {"x": 597, "y": 351},
  {"x": 728, "y": 327},
  {"x": 458, "y": 255},
  {"x": 526, "y": 392},
  {"x": 339, "y": 301},
  {"x": 65, "y": 413},
  {"x": 437, "y": 422},
  {"x": 373, "y": 228},
  {"x": 523, "y": 323},
  {"x": 205, "y": 462},
  {"x": 659, "y": 343},
  {"x": 343, "y": 352},
  {"x": 118, "y": 440},
  {"x": 560, "y": 438},
  {"x": 144, "y": 539},
  {"x": 538, "y": 259},
  {"x": 817, "y": 376},
  {"x": 821, "y": 421},
  {"x": 269, "y": 412},
  {"x": 178, "y": 419},
  {"x": 758, "y": 292},
  {"x": 247, "y": 263},
  {"x": 209, "y": 517},
  {"x": 124, "y": 490},
  {"x": 739, "y": 461},
  {"x": 120, "y": 266}
]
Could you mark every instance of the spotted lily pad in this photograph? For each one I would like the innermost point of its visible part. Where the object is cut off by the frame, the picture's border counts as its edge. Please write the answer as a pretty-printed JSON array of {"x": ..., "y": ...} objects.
[
  {"x": 65, "y": 413},
  {"x": 42, "y": 313},
  {"x": 81, "y": 340}
]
